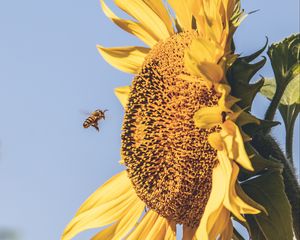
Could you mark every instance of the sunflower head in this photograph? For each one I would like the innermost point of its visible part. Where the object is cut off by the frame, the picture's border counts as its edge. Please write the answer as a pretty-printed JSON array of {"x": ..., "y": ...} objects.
[
  {"x": 181, "y": 145},
  {"x": 167, "y": 156}
]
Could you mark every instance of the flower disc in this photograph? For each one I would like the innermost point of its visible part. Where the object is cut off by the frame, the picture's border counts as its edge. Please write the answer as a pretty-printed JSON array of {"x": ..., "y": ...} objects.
[{"x": 168, "y": 159}]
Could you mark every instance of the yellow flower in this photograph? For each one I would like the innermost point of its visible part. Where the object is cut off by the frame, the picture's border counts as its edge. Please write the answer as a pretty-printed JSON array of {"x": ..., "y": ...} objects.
[{"x": 180, "y": 146}]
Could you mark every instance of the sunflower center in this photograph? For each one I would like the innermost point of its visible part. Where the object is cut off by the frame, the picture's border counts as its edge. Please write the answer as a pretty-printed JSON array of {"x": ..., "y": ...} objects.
[{"x": 168, "y": 159}]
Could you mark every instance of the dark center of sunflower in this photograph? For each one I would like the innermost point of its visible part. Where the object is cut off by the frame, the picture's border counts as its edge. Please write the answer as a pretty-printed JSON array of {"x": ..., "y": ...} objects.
[{"x": 168, "y": 159}]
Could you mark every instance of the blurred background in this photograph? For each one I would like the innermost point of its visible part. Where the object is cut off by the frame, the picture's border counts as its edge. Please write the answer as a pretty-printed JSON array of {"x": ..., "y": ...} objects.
[{"x": 50, "y": 72}]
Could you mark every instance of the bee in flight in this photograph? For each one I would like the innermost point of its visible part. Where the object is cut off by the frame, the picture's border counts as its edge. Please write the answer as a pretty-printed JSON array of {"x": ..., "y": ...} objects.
[{"x": 94, "y": 118}]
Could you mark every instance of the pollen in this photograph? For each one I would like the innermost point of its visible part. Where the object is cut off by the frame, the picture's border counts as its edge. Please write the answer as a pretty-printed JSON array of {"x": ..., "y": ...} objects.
[{"x": 169, "y": 159}]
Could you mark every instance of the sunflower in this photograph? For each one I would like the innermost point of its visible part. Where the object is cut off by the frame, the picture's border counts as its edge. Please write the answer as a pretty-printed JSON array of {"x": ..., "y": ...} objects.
[{"x": 182, "y": 145}]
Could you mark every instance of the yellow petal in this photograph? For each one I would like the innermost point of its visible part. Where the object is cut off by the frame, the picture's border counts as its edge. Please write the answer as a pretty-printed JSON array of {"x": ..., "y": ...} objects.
[
  {"x": 161, "y": 10},
  {"x": 132, "y": 27},
  {"x": 235, "y": 145},
  {"x": 208, "y": 117},
  {"x": 201, "y": 59},
  {"x": 228, "y": 231},
  {"x": 214, "y": 205},
  {"x": 121, "y": 228},
  {"x": 144, "y": 226},
  {"x": 229, "y": 127},
  {"x": 216, "y": 141},
  {"x": 212, "y": 71},
  {"x": 229, "y": 179},
  {"x": 204, "y": 50},
  {"x": 225, "y": 99},
  {"x": 127, "y": 59},
  {"x": 232, "y": 201},
  {"x": 183, "y": 12},
  {"x": 146, "y": 16},
  {"x": 158, "y": 230},
  {"x": 122, "y": 94},
  {"x": 242, "y": 156},
  {"x": 100, "y": 216},
  {"x": 153, "y": 226},
  {"x": 191, "y": 64},
  {"x": 107, "y": 192},
  {"x": 241, "y": 205},
  {"x": 104, "y": 206},
  {"x": 220, "y": 224},
  {"x": 171, "y": 231}
]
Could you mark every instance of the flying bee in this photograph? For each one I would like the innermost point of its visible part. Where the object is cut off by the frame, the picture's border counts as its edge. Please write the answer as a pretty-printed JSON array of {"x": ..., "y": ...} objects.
[{"x": 94, "y": 118}]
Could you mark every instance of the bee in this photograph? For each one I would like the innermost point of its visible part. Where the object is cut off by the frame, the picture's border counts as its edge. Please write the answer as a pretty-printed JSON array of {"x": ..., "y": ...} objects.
[
  {"x": 224, "y": 116},
  {"x": 94, "y": 118}
]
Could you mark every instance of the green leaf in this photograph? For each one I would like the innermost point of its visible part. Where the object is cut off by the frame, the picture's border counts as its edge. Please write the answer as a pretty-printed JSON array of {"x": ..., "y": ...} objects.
[
  {"x": 269, "y": 88},
  {"x": 260, "y": 163},
  {"x": 284, "y": 91},
  {"x": 268, "y": 190},
  {"x": 285, "y": 57},
  {"x": 285, "y": 61},
  {"x": 255, "y": 231},
  {"x": 291, "y": 94}
]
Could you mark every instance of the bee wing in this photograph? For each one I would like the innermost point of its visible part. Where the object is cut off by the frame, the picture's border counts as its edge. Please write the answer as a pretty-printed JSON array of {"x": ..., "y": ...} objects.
[{"x": 84, "y": 112}]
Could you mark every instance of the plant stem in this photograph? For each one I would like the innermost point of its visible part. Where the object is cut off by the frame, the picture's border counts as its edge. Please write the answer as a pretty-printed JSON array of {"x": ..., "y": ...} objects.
[
  {"x": 274, "y": 104},
  {"x": 267, "y": 146},
  {"x": 292, "y": 113}
]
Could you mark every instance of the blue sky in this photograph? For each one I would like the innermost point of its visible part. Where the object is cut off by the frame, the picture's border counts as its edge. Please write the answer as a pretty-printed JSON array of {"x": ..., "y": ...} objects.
[{"x": 50, "y": 71}]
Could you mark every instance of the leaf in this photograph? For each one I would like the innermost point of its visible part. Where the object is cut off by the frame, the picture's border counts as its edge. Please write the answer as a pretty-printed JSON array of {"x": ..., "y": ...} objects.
[
  {"x": 268, "y": 190},
  {"x": 269, "y": 88},
  {"x": 255, "y": 231},
  {"x": 285, "y": 60},
  {"x": 284, "y": 91},
  {"x": 291, "y": 94},
  {"x": 285, "y": 57}
]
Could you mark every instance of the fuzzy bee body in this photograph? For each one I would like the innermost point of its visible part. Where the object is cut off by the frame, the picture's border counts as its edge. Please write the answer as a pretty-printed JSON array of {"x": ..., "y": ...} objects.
[
  {"x": 94, "y": 119},
  {"x": 224, "y": 116}
]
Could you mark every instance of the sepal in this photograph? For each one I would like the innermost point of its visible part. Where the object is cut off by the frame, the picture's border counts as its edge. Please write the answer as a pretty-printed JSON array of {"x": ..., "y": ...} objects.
[
  {"x": 255, "y": 55},
  {"x": 264, "y": 126},
  {"x": 239, "y": 76}
]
